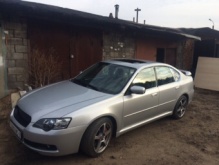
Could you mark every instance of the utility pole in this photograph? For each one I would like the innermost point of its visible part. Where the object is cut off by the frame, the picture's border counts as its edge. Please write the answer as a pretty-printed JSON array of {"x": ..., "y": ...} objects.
[
  {"x": 212, "y": 22},
  {"x": 137, "y": 10}
]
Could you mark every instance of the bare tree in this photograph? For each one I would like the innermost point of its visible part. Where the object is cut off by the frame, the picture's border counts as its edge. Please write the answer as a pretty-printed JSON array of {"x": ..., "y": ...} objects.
[{"x": 44, "y": 67}]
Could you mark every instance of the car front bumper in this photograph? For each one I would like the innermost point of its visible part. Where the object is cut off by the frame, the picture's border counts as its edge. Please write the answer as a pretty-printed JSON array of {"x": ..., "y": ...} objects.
[{"x": 52, "y": 143}]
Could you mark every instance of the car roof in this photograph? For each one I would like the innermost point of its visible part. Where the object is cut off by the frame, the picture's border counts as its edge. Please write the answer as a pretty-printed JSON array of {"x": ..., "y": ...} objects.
[{"x": 134, "y": 63}]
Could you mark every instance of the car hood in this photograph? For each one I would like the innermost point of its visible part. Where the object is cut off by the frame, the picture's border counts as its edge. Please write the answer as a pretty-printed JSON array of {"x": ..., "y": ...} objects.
[{"x": 48, "y": 99}]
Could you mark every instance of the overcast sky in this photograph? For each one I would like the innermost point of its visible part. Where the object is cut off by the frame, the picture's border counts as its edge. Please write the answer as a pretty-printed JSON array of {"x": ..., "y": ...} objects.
[{"x": 167, "y": 13}]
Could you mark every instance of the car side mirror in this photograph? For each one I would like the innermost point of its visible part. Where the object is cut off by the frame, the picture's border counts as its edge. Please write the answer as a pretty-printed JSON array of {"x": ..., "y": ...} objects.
[{"x": 137, "y": 89}]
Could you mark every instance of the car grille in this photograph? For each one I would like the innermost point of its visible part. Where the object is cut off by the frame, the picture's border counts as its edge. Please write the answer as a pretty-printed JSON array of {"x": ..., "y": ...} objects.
[{"x": 23, "y": 118}]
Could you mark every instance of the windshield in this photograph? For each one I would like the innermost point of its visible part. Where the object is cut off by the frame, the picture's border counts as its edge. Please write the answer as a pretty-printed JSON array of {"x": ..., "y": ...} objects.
[{"x": 105, "y": 77}]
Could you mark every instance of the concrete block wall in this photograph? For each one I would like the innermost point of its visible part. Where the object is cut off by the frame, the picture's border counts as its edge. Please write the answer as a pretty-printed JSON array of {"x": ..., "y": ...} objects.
[
  {"x": 16, "y": 46},
  {"x": 2, "y": 69},
  {"x": 116, "y": 45}
]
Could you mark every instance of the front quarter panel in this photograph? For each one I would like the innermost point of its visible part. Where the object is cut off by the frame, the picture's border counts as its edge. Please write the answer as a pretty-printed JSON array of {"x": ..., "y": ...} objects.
[{"x": 112, "y": 107}]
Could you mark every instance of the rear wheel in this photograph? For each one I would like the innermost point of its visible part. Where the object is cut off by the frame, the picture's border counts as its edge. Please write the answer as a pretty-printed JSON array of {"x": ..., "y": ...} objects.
[
  {"x": 180, "y": 107},
  {"x": 97, "y": 137}
]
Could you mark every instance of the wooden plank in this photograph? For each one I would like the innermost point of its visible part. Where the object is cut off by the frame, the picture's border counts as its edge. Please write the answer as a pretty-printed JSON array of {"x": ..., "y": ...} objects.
[
  {"x": 86, "y": 46},
  {"x": 207, "y": 73}
]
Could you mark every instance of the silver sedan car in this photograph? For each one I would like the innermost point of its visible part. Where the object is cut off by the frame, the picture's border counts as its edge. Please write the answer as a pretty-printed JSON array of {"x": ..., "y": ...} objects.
[{"x": 106, "y": 100}]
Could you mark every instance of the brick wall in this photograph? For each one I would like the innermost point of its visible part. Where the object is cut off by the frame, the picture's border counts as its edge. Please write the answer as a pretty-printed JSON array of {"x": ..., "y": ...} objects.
[
  {"x": 185, "y": 54},
  {"x": 16, "y": 52},
  {"x": 117, "y": 45},
  {"x": 188, "y": 54}
]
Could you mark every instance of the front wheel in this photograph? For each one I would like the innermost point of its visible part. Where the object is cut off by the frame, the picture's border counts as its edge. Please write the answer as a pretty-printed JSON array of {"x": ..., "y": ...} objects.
[
  {"x": 180, "y": 107},
  {"x": 97, "y": 137}
]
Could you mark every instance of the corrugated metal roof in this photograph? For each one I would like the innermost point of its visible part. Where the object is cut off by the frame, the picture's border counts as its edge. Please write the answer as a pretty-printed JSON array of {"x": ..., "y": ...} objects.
[
  {"x": 59, "y": 14},
  {"x": 204, "y": 33}
]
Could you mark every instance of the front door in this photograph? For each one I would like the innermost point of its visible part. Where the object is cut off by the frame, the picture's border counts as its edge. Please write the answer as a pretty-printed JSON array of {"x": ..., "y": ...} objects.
[
  {"x": 76, "y": 48},
  {"x": 140, "y": 107},
  {"x": 170, "y": 56},
  {"x": 160, "y": 55}
]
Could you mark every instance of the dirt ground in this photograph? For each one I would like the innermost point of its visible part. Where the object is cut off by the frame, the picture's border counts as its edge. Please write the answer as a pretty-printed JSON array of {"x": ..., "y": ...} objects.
[{"x": 193, "y": 140}]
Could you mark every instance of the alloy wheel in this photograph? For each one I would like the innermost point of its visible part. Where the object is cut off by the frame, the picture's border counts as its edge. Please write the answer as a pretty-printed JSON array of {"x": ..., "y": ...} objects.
[
  {"x": 182, "y": 107},
  {"x": 102, "y": 137}
]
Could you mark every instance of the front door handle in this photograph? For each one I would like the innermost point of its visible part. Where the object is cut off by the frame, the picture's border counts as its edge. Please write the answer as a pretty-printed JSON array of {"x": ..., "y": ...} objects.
[{"x": 154, "y": 94}]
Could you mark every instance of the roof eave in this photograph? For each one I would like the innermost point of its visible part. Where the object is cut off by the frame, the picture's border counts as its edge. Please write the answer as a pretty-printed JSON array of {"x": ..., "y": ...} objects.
[{"x": 191, "y": 36}]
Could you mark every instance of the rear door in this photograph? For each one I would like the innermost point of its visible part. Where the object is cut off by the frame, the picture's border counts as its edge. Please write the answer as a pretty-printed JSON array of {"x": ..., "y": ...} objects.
[{"x": 168, "y": 86}]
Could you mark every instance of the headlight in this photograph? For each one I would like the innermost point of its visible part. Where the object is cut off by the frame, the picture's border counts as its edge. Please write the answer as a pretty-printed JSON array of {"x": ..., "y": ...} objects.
[{"x": 52, "y": 123}]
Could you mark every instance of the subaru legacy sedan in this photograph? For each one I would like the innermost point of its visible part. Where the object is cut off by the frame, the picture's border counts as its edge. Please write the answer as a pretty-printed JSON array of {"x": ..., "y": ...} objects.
[{"x": 107, "y": 100}]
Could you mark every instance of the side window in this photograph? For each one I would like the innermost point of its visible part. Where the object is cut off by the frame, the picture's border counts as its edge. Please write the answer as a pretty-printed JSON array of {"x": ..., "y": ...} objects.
[
  {"x": 176, "y": 74},
  {"x": 145, "y": 78},
  {"x": 164, "y": 75}
]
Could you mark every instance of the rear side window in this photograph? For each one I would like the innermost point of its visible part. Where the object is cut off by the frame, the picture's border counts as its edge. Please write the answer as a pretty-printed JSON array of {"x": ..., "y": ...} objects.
[
  {"x": 176, "y": 74},
  {"x": 164, "y": 75}
]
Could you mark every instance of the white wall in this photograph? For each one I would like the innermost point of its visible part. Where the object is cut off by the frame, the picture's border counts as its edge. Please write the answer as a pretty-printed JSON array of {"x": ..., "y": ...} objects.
[{"x": 207, "y": 73}]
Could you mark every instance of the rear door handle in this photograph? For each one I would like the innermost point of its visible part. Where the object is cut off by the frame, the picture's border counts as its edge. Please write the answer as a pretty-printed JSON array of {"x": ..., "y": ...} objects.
[
  {"x": 154, "y": 94},
  {"x": 177, "y": 87}
]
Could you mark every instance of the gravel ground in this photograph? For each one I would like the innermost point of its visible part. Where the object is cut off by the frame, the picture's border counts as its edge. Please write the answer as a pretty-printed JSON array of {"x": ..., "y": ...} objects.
[{"x": 193, "y": 140}]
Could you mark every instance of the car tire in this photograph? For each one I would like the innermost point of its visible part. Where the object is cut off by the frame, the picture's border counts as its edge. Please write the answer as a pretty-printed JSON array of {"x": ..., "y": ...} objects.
[
  {"x": 180, "y": 107},
  {"x": 97, "y": 137}
]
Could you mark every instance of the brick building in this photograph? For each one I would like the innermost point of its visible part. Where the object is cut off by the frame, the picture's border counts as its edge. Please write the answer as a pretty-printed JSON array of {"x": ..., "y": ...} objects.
[
  {"x": 79, "y": 39},
  {"x": 208, "y": 46}
]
